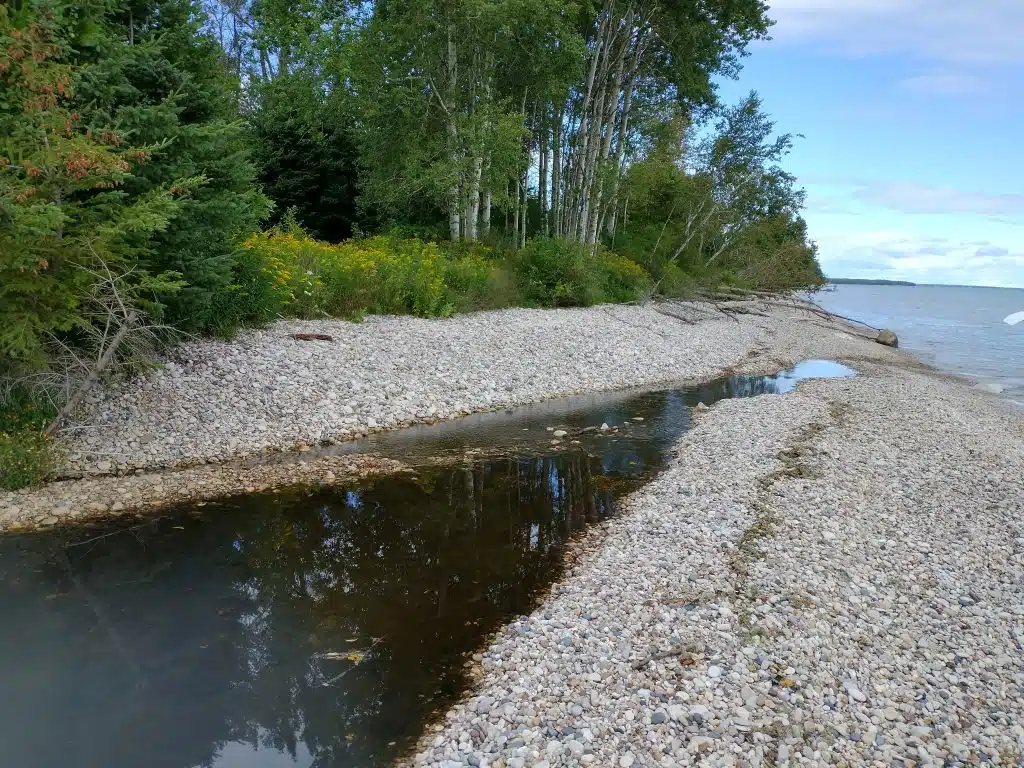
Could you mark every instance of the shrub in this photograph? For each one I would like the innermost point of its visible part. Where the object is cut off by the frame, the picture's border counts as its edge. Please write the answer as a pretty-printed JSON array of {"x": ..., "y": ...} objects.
[
  {"x": 475, "y": 283},
  {"x": 552, "y": 272},
  {"x": 27, "y": 457},
  {"x": 560, "y": 273},
  {"x": 675, "y": 282},
  {"x": 624, "y": 279},
  {"x": 410, "y": 276},
  {"x": 292, "y": 274},
  {"x": 251, "y": 298},
  {"x": 286, "y": 273}
]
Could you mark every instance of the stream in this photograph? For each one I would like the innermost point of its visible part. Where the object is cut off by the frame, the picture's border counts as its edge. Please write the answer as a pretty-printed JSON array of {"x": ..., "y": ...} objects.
[{"x": 322, "y": 626}]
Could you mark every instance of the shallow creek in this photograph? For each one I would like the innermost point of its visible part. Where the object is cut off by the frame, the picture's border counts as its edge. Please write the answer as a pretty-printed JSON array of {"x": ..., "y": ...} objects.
[{"x": 322, "y": 626}]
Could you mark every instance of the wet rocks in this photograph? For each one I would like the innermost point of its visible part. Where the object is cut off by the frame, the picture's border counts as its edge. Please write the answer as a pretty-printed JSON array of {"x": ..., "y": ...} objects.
[{"x": 97, "y": 497}]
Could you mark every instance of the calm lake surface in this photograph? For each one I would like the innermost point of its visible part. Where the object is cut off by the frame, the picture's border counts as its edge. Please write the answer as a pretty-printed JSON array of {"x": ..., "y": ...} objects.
[
  {"x": 955, "y": 328},
  {"x": 318, "y": 627}
]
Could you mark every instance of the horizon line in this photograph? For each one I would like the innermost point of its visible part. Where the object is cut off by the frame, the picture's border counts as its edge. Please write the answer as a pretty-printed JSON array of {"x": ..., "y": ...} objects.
[{"x": 930, "y": 285}]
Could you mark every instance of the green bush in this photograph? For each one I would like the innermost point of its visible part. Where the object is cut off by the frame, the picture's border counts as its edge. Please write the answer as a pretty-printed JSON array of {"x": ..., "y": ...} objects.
[
  {"x": 285, "y": 273},
  {"x": 250, "y": 299},
  {"x": 558, "y": 273},
  {"x": 294, "y": 275},
  {"x": 624, "y": 279},
  {"x": 675, "y": 283},
  {"x": 475, "y": 283},
  {"x": 553, "y": 272},
  {"x": 27, "y": 457}
]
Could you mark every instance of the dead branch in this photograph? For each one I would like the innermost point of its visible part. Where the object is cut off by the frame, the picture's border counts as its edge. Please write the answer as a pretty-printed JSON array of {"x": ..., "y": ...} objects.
[{"x": 117, "y": 333}]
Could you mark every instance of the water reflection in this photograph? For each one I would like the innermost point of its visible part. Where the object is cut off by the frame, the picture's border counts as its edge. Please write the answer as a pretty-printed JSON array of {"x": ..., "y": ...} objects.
[{"x": 314, "y": 628}]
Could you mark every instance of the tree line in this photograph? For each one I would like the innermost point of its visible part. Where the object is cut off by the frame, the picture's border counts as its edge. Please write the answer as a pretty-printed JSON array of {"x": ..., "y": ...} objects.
[{"x": 144, "y": 142}]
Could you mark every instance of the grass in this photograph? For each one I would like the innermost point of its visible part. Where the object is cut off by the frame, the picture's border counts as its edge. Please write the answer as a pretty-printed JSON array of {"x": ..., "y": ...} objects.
[{"x": 27, "y": 455}]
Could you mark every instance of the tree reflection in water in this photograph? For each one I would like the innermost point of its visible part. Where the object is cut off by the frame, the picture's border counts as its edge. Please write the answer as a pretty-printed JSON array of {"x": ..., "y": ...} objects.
[
  {"x": 314, "y": 628},
  {"x": 160, "y": 644}
]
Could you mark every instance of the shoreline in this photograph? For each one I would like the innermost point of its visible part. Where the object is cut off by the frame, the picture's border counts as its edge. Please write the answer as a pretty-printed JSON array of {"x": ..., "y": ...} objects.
[
  {"x": 267, "y": 392},
  {"x": 759, "y": 345},
  {"x": 792, "y": 586},
  {"x": 707, "y": 346},
  {"x": 865, "y": 536}
]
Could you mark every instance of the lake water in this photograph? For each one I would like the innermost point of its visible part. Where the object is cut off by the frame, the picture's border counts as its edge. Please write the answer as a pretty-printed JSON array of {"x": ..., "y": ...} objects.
[
  {"x": 955, "y": 328},
  {"x": 317, "y": 627}
]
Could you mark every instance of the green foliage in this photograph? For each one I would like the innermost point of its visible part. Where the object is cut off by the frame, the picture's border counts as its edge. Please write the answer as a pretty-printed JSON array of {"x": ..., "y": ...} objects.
[
  {"x": 135, "y": 136},
  {"x": 733, "y": 218},
  {"x": 477, "y": 281},
  {"x": 64, "y": 211},
  {"x": 307, "y": 157},
  {"x": 554, "y": 272},
  {"x": 284, "y": 273},
  {"x": 774, "y": 254},
  {"x": 168, "y": 89},
  {"x": 302, "y": 277},
  {"x": 27, "y": 457},
  {"x": 624, "y": 279}
]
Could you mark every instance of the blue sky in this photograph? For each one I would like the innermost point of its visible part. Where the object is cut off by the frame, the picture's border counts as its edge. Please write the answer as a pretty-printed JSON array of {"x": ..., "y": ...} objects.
[{"x": 913, "y": 117}]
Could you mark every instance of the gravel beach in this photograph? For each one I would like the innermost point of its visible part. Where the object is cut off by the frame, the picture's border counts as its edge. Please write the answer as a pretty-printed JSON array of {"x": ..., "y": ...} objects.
[
  {"x": 184, "y": 432},
  {"x": 828, "y": 577},
  {"x": 266, "y": 390}
]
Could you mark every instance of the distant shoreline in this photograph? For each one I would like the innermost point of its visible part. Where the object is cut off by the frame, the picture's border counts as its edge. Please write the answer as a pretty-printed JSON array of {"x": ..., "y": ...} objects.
[
  {"x": 865, "y": 281},
  {"x": 862, "y": 281}
]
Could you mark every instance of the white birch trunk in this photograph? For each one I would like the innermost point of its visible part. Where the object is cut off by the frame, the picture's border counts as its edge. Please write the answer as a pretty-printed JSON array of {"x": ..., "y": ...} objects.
[
  {"x": 523, "y": 209},
  {"x": 486, "y": 214},
  {"x": 556, "y": 171},
  {"x": 454, "y": 218},
  {"x": 473, "y": 215},
  {"x": 543, "y": 172}
]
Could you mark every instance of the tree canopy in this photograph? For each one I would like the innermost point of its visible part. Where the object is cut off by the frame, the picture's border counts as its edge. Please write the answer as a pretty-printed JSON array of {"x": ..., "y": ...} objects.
[{"x": 542, "y": 152}]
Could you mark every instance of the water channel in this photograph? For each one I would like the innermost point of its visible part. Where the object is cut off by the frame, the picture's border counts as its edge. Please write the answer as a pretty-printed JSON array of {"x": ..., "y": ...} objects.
[{"x": 322, "y": 626}]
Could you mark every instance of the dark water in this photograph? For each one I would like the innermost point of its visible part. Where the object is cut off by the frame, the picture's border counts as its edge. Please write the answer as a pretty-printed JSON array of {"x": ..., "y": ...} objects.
[
  {"x": 319, "y": 627},
  {"x": 956, "y": 328}
]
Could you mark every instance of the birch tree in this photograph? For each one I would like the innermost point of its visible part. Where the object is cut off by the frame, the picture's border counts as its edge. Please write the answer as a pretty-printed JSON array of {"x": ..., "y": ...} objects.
[{"x": 641, "y": 57}]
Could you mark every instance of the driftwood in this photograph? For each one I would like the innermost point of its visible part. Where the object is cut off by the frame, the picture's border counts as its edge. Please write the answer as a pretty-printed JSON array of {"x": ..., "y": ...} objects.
[
  {"x": 732, "y": 301},
  {"x": 312, "y": 337}
]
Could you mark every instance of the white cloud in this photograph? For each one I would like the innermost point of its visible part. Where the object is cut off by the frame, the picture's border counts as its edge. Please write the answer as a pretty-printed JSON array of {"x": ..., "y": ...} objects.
[
  {"x": 978, "y": 32},
  {"x": 921, "y": 259},
  {"x": 917, "y": 198}
]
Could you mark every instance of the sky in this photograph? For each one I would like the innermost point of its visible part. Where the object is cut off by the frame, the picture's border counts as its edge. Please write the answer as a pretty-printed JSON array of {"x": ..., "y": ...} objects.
[{"x": 912, "y": 113}]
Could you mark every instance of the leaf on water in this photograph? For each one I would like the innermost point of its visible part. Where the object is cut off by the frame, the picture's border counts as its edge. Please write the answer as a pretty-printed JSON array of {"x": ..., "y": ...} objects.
[{"x": 354, "y": 656}]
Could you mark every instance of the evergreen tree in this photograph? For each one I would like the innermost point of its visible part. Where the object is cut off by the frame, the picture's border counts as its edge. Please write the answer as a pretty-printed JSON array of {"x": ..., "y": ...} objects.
[
  {"x": 65, "y": 214},
  {"x": 158, "y": 77},
  {"x": 307, "y": 157}
]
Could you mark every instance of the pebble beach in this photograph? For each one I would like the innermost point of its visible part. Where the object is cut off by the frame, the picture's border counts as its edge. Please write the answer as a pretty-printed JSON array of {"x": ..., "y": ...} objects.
[
  {"x": 828, "y": 577},
  {"x": 833, "y": 576}
]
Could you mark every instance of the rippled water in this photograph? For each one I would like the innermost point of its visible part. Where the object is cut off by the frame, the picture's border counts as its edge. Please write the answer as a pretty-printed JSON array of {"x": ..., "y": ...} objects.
[
  {"x": 956, "y": 328},
  {"x": 323, "y": 626}
]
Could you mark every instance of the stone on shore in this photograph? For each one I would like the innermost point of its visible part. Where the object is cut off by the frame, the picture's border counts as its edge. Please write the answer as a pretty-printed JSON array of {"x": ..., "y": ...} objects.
[{"x": 888, "y": 338}]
